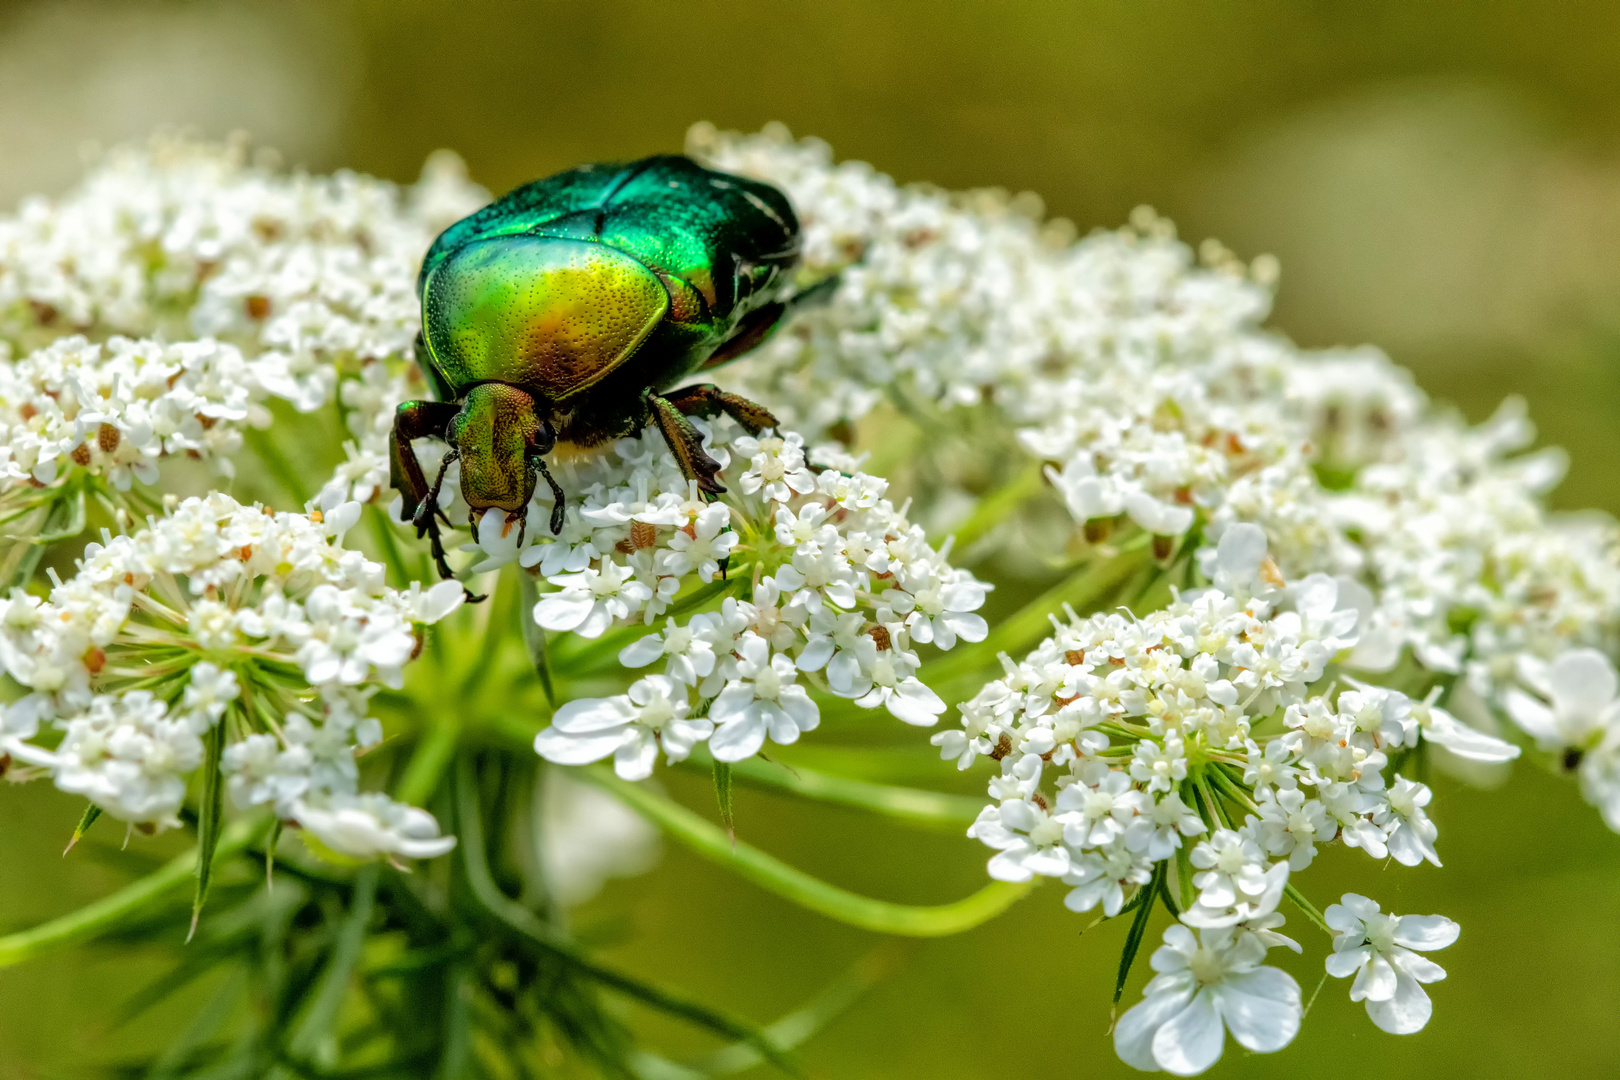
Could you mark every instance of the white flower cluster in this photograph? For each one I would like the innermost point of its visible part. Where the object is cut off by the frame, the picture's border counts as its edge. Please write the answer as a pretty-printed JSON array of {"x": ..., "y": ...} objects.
[
  {"x": 1214, "y": 981},
  {"x": 820, "y": 576},
  {"x": 120, "y": 407},
  {"x": 300, "y": 288},
  {"x": 1150, "y": 386},
  {"x": 191, "y": 239},
  {"x": 220, "y": 613},
  {"x": 1190, "y": 742}
]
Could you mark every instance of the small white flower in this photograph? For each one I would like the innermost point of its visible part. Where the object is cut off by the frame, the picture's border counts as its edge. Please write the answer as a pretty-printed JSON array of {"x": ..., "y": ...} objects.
[
  {"x": 776, "y": 467},
  {"x": 630, "y": 727},
  {"x": 1581, "y": 686},
  {"x": 1378, "y": 950},
  {"x": 1291, "y": 826},
  {"x": 760, "y": 700},
  {"x": 1409, "y": 833},
  {"x": 1236, "y": 883},
  {"x": 588, "y": 602},
  {"x": 1029, "y": 839},
  {"x": 1204, "y": 988},
  {"x": 1101, "y": 876},
  {"x": 688, "y": 654},
  {"x": 706, "y": 546},
  {"x": 1097, "y": 809},
  {"x": 371, "y": 826},
  {"x": 1159, "y": 831},
  {"x": 209, "y": 690},
  {"x": 1157, "y": 767}
]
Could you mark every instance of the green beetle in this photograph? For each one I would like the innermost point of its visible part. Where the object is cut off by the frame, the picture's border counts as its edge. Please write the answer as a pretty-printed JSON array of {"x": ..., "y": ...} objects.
[{"x": 566, "y": 309}]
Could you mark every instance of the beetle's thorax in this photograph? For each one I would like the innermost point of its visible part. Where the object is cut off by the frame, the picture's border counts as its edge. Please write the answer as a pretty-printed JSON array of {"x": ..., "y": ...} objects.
[{"x": 495, "y": 434}]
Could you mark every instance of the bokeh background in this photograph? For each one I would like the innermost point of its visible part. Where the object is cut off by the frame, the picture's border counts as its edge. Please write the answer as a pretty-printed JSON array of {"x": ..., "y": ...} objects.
[{"x": 1441, "y": 179}]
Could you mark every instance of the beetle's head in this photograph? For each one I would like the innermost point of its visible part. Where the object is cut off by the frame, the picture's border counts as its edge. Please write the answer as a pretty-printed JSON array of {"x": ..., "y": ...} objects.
[{"x": 497, "y": 433}]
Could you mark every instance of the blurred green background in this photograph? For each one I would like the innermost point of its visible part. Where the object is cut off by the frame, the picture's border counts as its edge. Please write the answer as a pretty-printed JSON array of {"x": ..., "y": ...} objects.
[{"x": 1442, "y": 179}]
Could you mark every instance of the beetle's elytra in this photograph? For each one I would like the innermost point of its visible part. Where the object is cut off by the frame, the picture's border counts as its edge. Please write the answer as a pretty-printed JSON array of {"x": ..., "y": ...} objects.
[{"x": 568, "y": 307}]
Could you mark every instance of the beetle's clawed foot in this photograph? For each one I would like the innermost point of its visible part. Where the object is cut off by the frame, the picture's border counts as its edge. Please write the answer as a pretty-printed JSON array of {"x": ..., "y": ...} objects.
[{"x": 706, "y": 471}]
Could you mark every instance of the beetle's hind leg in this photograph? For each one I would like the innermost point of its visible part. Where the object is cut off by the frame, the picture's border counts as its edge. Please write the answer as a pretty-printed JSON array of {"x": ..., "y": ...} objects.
[{"x": 708, "y": 401}]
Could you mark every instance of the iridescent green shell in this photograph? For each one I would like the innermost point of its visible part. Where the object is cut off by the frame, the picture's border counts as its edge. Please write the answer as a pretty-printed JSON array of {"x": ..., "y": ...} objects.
[{"x": 649, "y": 267}]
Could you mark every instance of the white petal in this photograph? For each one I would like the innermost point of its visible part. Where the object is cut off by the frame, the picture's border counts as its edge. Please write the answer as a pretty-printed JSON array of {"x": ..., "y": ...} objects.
[
  {"x": 557, "y": 613},
  {"x": 1418, "y": 967},
  {"x": 642, "y": 651},
  {"x": 1262, "y": 1008},
  {"x": 585, "y": 715},
  {"x": 1133, "y": 1035},
  {"x": 441, "y": 600},
  {"x": 1582, "y": 682},
  {"x": 738, "y": 739},
  {"x": 1406, "y": 1011},
  {"x": 1375, "y": 982},
  {"x": 635, "y": 758},
  {"x": 1426, "y": 931},
  {"x": 1192, "y": 1040},
  {"x": 916, "y": 704},
  {"x": 563, "y": 749},
  {"x": 733, "y": 703},
  {"x": 1342, "y": 965},
  {"x": 1446, "y": 730}
]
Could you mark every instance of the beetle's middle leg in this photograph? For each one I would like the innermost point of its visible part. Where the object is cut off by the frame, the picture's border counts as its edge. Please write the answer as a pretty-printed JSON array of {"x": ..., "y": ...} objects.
[
  {"x": 708, "y": 401},
  {"x": 686, "y": 443}
]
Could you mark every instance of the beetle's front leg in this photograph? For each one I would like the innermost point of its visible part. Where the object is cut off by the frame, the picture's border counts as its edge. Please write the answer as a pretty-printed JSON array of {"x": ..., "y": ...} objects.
[
  {"x": 559, "y": 501},
  {"x": 418, "y": 420},
  {"x": 415, "y": 420},
  {"x": 686, "y": 443}
]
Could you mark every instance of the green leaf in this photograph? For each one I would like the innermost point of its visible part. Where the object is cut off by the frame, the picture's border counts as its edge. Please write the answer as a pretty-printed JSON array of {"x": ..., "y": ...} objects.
[
  {"x": 526, "y": 924},
  {"x": 1133, "y": 940},
  {"x": 95, "y": 919},
  {"x": 1309, "y": 909},
  {"x": 1184, "y": 871},
  {"x": 323, "y": 1009},
  {"x": 722, "y": 792},
  {"x": 789, "y": 1032},
  {"x": 209, "y": 816},
  {"x": 270, "y": 843},
  {"x": 534, "y": 636},
  {"x": 91, "y": 813},
  {"x": 804, "y": 889},
  {"x": 65, "y": 521}
]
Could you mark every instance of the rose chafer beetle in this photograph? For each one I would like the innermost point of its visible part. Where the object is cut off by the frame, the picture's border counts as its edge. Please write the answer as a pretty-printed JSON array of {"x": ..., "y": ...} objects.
[{"x": 565, "y": 310}]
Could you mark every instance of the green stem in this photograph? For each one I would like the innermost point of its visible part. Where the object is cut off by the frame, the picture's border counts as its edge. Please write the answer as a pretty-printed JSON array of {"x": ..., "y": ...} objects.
[
  {"x": 803, "y": 889},
  {"x": 432, "y": 756},
  {"x": 995, "y": 506},
  {"x": 97, "y": 918},
  {"x": 1309, "y": 909},
  {"x": 931, "y": 808},
  {"x": 526, "y": 924},
  {"x": 1017, "y": 632},
  {"x": 334, "y": 985},
  {"x": 383, "y": 530},
  {"x": 286, "y": 475}
]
